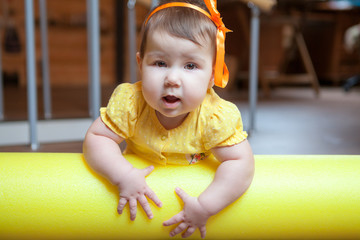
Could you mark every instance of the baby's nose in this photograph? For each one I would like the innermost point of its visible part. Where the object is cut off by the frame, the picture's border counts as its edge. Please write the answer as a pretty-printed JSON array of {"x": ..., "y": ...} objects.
[{"x": 173, "y": 78}]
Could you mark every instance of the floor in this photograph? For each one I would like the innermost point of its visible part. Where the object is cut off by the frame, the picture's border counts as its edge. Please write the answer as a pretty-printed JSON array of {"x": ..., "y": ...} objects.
[{"x": 291, "y": 121}]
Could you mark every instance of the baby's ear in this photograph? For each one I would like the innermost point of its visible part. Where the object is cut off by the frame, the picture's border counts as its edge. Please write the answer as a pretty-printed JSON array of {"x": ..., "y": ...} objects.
[
  {"x": 139, "y": 60},
  {"x": 211, "y": 81}
]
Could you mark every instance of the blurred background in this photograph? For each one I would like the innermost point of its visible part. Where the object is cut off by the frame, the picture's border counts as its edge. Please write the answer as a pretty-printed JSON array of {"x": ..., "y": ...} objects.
[{"x": 308, "y": 94}]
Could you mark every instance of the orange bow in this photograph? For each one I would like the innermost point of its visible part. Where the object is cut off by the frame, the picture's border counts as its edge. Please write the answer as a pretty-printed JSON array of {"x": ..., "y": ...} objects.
[{"x": 221, "y": 71}]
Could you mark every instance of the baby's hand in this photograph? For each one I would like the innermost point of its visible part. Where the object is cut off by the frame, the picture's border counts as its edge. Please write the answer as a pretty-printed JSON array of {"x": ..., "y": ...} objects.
[
  {"x": 193, "y": 216},
  {"x": 133, "y": 188}
]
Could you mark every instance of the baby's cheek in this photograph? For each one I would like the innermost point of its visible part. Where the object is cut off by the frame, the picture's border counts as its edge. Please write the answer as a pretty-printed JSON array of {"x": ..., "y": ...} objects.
[{"x": 195, "y": 98}]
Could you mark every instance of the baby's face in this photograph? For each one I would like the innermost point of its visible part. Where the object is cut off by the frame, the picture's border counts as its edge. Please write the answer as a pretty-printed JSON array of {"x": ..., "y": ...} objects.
[{"x": 176, "y": 74}]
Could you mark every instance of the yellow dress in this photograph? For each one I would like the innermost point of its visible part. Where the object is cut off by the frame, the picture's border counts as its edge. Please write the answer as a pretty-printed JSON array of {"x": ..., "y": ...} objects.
[{"x": 215, "y": 123}]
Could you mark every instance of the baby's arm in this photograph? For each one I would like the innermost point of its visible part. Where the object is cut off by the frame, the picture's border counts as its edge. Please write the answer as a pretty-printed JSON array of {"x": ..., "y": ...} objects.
[
  {"x": 102, "y": 153},
  {"x": 232, "y": 178}
]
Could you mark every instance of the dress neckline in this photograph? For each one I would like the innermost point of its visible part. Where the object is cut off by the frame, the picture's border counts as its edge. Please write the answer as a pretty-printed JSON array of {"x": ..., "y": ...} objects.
[{"x": 183, "y": 125}]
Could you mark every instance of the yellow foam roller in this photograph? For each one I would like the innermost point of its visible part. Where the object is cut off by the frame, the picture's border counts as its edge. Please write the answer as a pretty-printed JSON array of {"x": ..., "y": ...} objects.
[{"x": 57, "y": 196}]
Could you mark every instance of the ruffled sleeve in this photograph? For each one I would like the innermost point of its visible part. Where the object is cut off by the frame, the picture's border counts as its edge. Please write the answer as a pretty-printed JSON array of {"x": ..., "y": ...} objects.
[
  {"x": 121, "y": 113},
  {"x": 223, "y": 126}
]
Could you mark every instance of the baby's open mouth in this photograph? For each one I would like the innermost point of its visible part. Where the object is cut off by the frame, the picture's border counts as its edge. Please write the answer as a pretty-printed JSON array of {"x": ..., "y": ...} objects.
[{"x": 171, "y": 99}]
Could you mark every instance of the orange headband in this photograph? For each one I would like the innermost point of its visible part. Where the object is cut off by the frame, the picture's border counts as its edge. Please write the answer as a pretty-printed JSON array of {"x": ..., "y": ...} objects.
[{"x": 221, "y": 71}]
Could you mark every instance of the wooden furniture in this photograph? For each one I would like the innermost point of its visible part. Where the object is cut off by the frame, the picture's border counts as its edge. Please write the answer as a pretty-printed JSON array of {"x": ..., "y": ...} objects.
[
  {"x": 67, "y": 38},
  {"x": 327, "y": 22},
  {"x": 296, "y": 43},
  {"x": 316, "y": 32}
]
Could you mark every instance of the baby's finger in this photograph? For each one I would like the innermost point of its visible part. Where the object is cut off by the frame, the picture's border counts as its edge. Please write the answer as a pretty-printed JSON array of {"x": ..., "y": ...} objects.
[
  {"x": 148, "y": 170},
  {"x": 188, "y": 232},
  {"x": 146, "y": 206},
  {"x": 178, "y": 229},
  {"x": 133, "y": 208},
  {"x": 178, "y": 218},
  {"x": 152, "y": 195},
  {"x": 202, "y": 231},
  {"x": 121, "y": 205},
  {"x": 182, "y": 194}
]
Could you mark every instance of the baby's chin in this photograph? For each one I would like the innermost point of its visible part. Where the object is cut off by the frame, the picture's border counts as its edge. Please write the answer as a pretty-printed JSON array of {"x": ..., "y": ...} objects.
[{"x": 168, "y": 113}]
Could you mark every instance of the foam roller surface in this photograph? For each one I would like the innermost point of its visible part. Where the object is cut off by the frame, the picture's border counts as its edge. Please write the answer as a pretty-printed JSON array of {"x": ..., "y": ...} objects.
[{"x": 57, "y": 196}]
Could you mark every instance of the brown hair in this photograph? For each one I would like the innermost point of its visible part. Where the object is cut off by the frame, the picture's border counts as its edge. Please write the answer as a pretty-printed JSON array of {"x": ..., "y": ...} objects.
[{"x": 181, "y": 22}]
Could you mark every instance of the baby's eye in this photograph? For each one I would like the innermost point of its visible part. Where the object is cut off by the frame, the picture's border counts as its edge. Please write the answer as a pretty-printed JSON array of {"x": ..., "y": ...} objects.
[
  {"x": 160, "y": 64},
  {"x": 190, "y": 66}
]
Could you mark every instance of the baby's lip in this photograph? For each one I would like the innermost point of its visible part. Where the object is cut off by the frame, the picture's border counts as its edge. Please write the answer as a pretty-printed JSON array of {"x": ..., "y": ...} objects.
[{"x": 171, "y": 98}]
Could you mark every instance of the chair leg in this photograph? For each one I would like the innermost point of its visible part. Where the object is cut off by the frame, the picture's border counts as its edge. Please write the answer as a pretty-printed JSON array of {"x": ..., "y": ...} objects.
[{"x": 305, "y": 56}]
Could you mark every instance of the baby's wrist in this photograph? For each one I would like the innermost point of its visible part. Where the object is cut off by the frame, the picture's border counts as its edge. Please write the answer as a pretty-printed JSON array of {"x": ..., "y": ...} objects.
[
  {"x": 120, "y": 176},
  {"x": 208, "y": 210}
]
